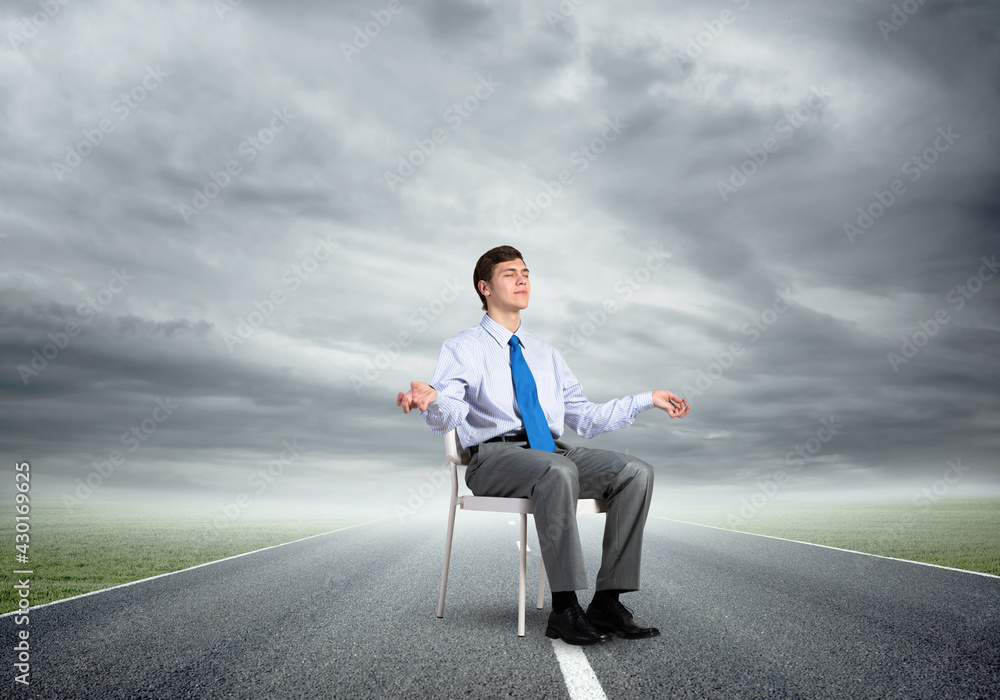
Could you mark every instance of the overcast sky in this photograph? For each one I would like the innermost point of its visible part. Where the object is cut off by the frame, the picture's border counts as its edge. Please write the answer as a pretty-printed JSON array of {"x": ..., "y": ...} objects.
[{"x": 230, "y": 233}]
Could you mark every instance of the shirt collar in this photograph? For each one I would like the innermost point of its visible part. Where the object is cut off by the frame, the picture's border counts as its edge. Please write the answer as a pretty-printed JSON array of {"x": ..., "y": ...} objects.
[{"x": 500, "y": 333}]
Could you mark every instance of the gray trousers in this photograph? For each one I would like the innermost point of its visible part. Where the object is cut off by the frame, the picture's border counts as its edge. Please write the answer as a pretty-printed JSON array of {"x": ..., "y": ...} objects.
[{"x": 554, "y": 481}]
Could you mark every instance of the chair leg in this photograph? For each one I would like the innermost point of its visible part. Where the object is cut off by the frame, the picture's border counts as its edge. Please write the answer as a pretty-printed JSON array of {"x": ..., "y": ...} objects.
[
  {"x": 522, "y": 575},
  {"x": 541, "y": 583},
  {"x": 447, "y": 559}
]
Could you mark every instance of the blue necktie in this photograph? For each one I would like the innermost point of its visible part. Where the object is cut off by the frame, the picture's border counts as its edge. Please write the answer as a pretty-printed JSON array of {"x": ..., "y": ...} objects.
[{"x": 535, "y": 425}]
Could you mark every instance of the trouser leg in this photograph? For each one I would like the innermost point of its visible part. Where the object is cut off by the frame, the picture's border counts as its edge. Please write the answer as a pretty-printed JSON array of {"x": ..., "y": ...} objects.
[
  {"x": 551, "y": 482},
  {"x": 626, "y": 484}
]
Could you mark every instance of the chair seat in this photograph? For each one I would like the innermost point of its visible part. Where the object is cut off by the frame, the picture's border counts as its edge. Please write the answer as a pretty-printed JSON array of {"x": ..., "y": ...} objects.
[
  {"x": 496, "y": 505},
  {"x": 522, "y": 505}
]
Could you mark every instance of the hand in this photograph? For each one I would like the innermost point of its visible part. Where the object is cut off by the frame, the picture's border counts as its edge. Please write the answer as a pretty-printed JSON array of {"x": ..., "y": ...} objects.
[
  {"x": 419, "y": 396},
  {"x": 674, "y": 406}
]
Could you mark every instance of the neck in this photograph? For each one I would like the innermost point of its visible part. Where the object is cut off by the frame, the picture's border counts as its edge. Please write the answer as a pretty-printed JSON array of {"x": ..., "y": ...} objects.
[{"x": 511, "y": 320}]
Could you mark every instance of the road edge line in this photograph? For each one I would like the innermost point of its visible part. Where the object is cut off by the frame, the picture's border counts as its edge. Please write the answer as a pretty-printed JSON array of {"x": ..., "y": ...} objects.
[
  {"x": 180, "y": 571},
  {"x": 839, "y": 549}
]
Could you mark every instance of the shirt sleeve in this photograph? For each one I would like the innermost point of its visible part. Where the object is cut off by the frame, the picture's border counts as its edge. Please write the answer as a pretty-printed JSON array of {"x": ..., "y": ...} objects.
[
  {"x": 451, "y": 381},
  {"x": 591, "y": 419}
]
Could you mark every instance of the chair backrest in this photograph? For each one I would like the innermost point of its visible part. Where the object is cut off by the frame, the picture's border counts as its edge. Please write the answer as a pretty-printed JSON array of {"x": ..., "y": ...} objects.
[
  {"x": 456, "y": 457},
  {"x": 453, "y": 450}
]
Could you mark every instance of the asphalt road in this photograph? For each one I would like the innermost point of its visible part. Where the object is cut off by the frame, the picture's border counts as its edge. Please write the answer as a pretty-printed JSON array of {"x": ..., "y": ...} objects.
[{"x": 351, "y": 614}]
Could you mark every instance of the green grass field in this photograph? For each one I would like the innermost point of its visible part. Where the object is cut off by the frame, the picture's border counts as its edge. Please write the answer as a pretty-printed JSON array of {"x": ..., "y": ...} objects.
[
  {"x": 963, "y": 533},
  {"x": 104, "y": 544}
]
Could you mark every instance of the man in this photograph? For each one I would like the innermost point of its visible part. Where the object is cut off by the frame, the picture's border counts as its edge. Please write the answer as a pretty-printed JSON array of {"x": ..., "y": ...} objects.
[{"x": 508, "y": 393}]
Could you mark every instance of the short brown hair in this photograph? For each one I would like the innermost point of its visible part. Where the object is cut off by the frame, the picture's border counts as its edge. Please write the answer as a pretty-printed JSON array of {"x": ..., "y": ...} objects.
[{"x": 489, "y": 260}]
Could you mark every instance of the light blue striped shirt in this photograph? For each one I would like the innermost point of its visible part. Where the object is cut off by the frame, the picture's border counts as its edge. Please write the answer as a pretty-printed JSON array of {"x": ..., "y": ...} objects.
[{"x": 475, "y": 391}]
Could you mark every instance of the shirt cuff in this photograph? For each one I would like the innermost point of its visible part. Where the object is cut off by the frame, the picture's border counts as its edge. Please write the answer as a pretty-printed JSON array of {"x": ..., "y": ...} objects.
[
  {"x": 643, "y": 402},
  {"x": 433, "y": 409}
]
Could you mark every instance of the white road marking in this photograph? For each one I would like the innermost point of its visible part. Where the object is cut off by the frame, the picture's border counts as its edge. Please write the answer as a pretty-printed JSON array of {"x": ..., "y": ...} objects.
[
  {"x": 180, "y": 571},
  {"x": 581, "y": 681},
  {"x": 839, "y": 549},
  {"x": 517, "y": 543}
]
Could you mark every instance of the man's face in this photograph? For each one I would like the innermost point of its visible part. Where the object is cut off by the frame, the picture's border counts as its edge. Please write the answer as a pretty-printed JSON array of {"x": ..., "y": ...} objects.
[{"x": 509, "y": 288}]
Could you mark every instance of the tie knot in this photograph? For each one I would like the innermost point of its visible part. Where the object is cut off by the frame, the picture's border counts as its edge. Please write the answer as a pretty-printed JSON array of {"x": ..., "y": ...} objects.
[{"x": 514, "y": 341}]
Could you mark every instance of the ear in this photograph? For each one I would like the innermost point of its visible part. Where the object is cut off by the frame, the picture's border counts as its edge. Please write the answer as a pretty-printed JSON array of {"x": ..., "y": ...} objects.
[{"x": 484, "y": 287}]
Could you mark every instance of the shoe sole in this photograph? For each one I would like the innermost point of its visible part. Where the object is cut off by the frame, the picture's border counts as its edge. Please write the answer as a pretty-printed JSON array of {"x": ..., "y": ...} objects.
[
  {"x": 553, "y": 634},
  {"x": 622, "y": 635}
]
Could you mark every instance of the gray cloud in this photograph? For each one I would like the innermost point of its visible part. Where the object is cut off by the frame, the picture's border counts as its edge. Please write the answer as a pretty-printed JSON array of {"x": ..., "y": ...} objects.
[{"x": 236, "y": 172}]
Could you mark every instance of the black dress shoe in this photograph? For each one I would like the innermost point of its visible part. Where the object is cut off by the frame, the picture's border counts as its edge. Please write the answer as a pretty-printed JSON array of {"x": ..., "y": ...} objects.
[
  {"x": 617, "y": 619},
  {"x": 573, "y": 627}
]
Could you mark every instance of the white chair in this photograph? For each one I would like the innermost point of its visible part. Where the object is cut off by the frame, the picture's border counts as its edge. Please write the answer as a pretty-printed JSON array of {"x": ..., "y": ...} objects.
[{"x": 458, "y": 457}]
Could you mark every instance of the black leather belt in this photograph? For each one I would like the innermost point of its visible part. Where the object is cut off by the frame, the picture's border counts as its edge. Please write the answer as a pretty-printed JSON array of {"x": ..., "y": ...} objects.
[{"x": 516, "y": 437}]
